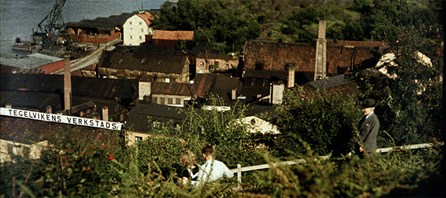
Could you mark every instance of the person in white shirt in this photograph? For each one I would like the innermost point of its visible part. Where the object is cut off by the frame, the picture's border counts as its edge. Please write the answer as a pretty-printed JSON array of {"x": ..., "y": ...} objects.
[{"x": 212, "y": 169}]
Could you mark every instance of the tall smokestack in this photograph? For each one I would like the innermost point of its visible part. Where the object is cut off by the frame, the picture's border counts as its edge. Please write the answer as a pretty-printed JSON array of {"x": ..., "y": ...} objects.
[
  {"x": 67, "y": 83},
  {"x": 321, "y": 52}
]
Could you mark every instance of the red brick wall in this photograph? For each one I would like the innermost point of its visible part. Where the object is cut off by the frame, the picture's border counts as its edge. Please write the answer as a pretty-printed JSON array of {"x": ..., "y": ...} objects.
[
  {"x": 96, "y": 39},
  {"x": 274, "y": 56},
  {"x": 51, "y": 67}
]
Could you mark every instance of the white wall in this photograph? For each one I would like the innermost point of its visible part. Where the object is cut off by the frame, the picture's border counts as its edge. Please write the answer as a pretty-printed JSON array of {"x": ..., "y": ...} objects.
[
  {"x": 135, "y": 31},
  {"x": 31, "y": 151}
]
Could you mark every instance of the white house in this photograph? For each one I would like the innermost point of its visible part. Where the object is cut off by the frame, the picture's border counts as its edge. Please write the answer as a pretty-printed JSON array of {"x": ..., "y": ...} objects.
[{"x": 137, "y": 27}]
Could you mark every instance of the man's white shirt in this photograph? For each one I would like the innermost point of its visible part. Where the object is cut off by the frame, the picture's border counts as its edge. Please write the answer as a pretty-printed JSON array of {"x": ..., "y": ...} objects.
[{"x": 213, "y": 170}]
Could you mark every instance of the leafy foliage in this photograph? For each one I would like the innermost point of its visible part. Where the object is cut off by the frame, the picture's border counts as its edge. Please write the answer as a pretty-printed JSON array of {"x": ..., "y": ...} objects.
[
  {"x": 409, "y": 104},
  {"x": 327, "y": 123}
]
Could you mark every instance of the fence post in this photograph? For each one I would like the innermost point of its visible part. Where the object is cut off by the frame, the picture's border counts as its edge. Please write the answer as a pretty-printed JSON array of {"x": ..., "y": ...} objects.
[{"x": 239, "y": 173}]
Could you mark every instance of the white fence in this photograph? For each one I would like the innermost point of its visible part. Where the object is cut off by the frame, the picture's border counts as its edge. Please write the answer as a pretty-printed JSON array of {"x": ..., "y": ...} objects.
[{"x": 241, "y": 169}]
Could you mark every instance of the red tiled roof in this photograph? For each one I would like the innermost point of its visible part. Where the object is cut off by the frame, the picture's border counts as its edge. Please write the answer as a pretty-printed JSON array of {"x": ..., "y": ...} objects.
[
  {"x": 173, "y": 35},
  {"x": 147, "y": 17}
]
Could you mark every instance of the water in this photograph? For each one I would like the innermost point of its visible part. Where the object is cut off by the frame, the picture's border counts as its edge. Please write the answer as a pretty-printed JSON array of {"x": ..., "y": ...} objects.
[{"x": 18, "y": 18}]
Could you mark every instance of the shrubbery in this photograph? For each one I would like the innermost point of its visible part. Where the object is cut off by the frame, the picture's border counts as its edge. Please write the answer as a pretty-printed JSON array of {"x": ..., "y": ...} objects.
[{"x": 326, "y": 122}]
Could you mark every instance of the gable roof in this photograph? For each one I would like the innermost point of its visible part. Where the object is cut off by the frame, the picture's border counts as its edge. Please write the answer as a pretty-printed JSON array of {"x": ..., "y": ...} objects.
[
  {"x": 338, "y": 84},
  {"x": 146, "y": 16},
  {"x": 145, "y": 58},
  {"x": 269, "y": 55},
  {"x": 202, "y": 84},
  {"x": 180, "y": 89},
  {"x": 142, "y": 113},
  {"x": 173, "y": 35}
]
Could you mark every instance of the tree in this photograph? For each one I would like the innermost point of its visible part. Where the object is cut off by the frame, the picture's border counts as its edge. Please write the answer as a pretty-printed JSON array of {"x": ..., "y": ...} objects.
[
  {"x": 326, "y": 122},
  {"x": 409, "y": 104},
  {"x": 218, "y": 23}
]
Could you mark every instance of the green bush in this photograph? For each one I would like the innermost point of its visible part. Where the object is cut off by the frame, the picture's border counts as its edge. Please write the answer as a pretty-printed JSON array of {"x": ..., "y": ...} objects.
[{"x": 326, "y": 122}]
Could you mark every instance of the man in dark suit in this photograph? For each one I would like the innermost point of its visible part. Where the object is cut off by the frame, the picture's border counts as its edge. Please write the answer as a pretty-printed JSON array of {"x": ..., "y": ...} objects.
[{"x": 368, "y": 129}]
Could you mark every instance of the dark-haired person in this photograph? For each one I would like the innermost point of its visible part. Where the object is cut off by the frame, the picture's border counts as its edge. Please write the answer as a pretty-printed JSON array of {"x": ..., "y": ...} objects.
[
  {"x": 212, "y": 169},
  {"x": 368, "y": 129}
]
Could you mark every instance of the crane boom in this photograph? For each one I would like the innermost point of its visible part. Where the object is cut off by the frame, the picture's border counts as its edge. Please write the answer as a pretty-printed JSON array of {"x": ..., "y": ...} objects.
[{"x": 54, "y": 20}]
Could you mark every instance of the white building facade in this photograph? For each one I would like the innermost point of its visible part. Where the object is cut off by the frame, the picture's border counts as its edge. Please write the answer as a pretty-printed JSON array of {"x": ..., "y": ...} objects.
[{"x": 136, "y": 28}]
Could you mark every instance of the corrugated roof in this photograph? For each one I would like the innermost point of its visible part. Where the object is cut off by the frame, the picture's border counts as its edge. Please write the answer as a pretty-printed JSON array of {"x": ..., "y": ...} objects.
[{"x": 173, "y": 35}]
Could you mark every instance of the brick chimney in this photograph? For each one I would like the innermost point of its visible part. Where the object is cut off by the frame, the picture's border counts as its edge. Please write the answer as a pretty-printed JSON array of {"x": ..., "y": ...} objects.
[
  {"x": 49, "y": 109},
  {"x": 105, "y": 113},
  {"x": 321, "y": 52},
  {"x": 291, "y": 67},
  {"x": 67, "y": 83}
]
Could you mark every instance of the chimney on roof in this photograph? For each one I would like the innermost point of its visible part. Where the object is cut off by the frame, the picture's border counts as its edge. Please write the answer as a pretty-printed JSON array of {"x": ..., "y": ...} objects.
[
  {"x": 144, "y": 89},
  {"x": 276, "y": 93},
  {"x": 233, "y": 94},
  {"x": 67, "y": 84},
  {"x": 321, "y": 52},
  {"x": 49, "y": 109},
  {"x": 291, "y": 67},
  {"x": 105, "y": 113}
]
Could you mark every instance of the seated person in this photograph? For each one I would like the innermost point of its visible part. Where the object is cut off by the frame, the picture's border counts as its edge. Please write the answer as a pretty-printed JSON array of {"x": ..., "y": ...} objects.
[
  {"x": 190, "y": 172},
  {"x": 212, "y": 169}
]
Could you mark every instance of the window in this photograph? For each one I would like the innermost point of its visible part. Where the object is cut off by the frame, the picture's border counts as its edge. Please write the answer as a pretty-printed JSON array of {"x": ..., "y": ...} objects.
[
  {"x": 169, "y": 100},
  {"x": 130, "y": 23},
  {"x": 142, "y": 30},
  {"x": 138, "y": 138},
  {"x": 163, "y": 101},
  {"x": 140, "y": 23},
  {"x": 140, "y": 37},
  {"x": 177, "y": 101},
  {"x": 131, "y": 37},
  {"x": 155, "y": 100}
]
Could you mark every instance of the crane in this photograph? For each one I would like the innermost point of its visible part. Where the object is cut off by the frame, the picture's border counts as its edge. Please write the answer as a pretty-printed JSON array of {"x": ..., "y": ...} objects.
[
  {"x": 54, "y": 21},
  {"x": 50, "y": 26}
]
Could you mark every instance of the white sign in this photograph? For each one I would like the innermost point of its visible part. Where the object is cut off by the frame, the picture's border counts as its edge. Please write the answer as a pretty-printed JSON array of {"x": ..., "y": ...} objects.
[{"x": 47, "y": 117}]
